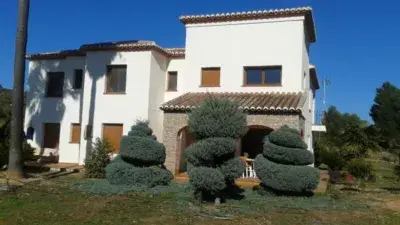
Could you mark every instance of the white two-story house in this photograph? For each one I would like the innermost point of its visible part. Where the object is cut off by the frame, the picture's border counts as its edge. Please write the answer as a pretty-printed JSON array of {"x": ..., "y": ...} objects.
[{"x": 258, "y": 59}]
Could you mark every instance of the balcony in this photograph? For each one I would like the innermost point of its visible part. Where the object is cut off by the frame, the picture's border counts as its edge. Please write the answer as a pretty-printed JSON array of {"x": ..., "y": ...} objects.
[{"x": 319, "y": 122}]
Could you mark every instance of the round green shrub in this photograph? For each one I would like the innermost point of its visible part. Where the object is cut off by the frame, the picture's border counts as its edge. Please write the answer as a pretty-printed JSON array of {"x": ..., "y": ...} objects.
[
  {"x": 142, "y": 126},
  {"x": 142, "y": 151},
  {"x": 286, "y": 155},
  {"x": 287, "y": 178},
  {"x": 120, "y": 173},
  {"x": 287, "y": 137},
  {"x": 207, "y": 179},
  {"x": 141, "y": 159},
  {"x": 217, "y": 118},
  {"x": 199, "y": 155},
  {"x": 207, "y": 152},
  {"x": 232, "y": 169},
  {"x": 141, "y": 134}
]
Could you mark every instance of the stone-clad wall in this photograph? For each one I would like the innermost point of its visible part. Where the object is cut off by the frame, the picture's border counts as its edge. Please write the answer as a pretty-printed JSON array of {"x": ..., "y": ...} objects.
[{"x": 174, "y": 122}]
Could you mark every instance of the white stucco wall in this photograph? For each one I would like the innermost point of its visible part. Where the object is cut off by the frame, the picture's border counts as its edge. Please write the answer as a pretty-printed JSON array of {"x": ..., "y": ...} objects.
[
  {"x": 156, "y": 93},
  {"x": 308, "y": 110},
  {"x": 115, "y": 108},
  {"x": 40, "y": 109},
  {"x": 234, "y": 45},
  {"x": 177, "y": 65}
]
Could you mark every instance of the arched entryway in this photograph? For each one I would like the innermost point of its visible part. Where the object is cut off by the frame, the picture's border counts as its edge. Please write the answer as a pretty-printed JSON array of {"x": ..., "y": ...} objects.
[
  {"x": 252, "y": 142},
  {"x": 184, "y": 140}
]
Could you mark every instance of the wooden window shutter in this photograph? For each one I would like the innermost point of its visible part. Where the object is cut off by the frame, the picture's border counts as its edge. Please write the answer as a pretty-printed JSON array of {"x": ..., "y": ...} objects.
[
  {"x": 113, "y": 134},
  {"x": 75, "y": 133},
  {"x": 210, "y": 77}
]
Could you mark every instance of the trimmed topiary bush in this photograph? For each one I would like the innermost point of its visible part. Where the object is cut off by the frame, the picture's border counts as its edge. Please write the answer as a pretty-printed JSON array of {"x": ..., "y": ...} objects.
[
  {"x": 283, "y": 167},
  {"x": 141, "y": 159},
  {"x": 212, "y": 166}
]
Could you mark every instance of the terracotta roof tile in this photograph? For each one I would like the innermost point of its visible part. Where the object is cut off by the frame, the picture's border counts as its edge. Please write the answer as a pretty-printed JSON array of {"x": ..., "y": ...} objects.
[
  {"x": 255, "y": 15},
  {"x": 111, "y": 46},
  {"x": 252, "y": 102}
]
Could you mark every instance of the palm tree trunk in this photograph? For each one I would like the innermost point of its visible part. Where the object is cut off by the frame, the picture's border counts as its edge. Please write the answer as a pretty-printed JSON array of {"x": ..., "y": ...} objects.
[{"x": 15, "y": 162}]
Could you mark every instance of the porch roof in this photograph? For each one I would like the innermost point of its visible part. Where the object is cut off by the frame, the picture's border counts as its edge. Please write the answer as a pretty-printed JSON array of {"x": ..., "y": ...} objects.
[{"x": 248, "y": 101}]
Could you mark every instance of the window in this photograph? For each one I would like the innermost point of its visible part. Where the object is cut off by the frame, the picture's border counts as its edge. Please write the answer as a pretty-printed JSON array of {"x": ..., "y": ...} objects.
[
  {"x": 55, "y": 84},
  {"x": 29, "y": 133},
  {"x": 51, "y": 137},
  {"x": 75, "y": 133},
  {"x": 172, "y": 81},
  {"x": 116, "y": 79},
  {"x": 78, "y": 78},
  {"x": 210, "y": 77},
  {"x": 263, "y": 76}
]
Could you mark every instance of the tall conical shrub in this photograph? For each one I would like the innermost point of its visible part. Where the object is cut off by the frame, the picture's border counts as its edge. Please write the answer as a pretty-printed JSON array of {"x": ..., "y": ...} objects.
[
  {"x": 283, "y": 167},
  {"x": 140, "y": 161},
  {"x": 212, "y": 166}
]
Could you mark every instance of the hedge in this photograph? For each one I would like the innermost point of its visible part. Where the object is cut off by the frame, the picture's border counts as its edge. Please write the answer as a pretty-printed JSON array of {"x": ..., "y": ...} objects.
[
  {"x": 207, "y": 179},
  {"x": 142, "y": 150},
  {"x": 217, "y": 118},
  {"x": 288, "y": 137},
  {"x": 287, "y": 178},
  {"x": 286, "y": 155}
]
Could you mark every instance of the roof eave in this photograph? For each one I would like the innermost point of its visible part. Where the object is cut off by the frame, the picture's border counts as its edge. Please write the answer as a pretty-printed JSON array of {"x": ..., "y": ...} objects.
[{"x": 314, "y": 77}]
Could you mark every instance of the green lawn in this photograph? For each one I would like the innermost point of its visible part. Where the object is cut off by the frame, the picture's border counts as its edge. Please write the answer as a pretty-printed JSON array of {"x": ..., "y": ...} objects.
[{"x": 62, "y": 201}]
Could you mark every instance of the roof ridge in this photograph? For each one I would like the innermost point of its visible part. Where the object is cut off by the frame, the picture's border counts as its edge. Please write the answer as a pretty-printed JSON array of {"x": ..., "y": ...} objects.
[
  {"x": 275, "y": 10},
  {"x": 306, "y": 11}
]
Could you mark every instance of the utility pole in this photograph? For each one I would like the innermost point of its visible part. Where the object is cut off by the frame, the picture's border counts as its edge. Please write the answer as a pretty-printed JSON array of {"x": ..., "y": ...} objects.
[
  {"x": 15, "y": 162},
  {"x": 326, "y": 83}
]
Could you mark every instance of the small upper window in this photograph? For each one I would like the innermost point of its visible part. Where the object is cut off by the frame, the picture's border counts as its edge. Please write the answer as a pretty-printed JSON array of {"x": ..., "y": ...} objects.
[
  {"x": 116, "y": 79},
  {"x": 263, "y": 76},
  {"x": 55, "y": 84},
  {"x": 78, "y": 78},
  {"x": 172, "y": 81},
  {"x": 210, "y": 77}
]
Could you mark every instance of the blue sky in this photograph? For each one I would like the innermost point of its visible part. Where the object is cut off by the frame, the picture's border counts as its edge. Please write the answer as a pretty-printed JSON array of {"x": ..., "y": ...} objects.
[{"x": 357, "y": 41}]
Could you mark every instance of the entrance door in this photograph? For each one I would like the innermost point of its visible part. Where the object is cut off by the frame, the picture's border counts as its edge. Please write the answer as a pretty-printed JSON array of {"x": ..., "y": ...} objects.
[
  {"x": 185, "y": 141},
  {"x": 51, "y": 135},
  {"x": 113, "y": 133}
]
